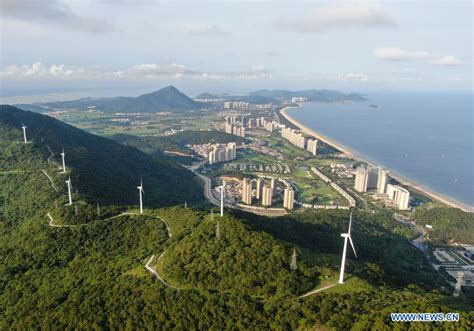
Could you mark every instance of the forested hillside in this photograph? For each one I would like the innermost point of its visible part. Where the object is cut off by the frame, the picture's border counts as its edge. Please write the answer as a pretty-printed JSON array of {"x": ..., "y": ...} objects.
[
  {"x": 448, "y": 224},
  {"x": 166, "y": 99},
  {"x": 83, "y": 267},
  {"x": 100, "y": 168},
  {"x": 228, "y": 255}
]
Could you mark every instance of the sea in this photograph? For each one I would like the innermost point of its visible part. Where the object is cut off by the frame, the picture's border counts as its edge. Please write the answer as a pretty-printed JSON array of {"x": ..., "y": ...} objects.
[{"x": 426, "y": 137}]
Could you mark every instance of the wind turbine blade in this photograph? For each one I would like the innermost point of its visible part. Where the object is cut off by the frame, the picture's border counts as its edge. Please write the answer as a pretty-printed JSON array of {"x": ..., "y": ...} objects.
[
  {"x": 350, "y": 224},
  {"x": 352, "y": 245}
]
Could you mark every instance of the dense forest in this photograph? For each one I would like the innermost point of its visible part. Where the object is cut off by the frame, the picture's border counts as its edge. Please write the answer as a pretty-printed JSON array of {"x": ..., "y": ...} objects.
[
  {"x": 86, "y": 270},
  {"x": 227, "y": 255},
  {"x": 448, "y": 224},
  {"x": 99, "y": 167}
]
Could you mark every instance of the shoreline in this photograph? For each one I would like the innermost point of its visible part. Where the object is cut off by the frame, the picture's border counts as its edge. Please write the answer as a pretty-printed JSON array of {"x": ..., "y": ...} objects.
[{"x": 359, "y": 157}]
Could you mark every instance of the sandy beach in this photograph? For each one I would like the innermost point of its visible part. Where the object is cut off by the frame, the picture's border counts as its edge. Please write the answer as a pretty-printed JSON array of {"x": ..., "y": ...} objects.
[{"x": 359, "y": 157}]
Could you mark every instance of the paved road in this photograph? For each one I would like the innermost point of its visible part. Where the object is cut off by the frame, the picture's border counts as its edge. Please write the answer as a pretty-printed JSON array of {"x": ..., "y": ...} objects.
[
  {"x": 51, "y": 180},
  {"x": 155, "y": 273},
  {"x": 318, "y": 290}
]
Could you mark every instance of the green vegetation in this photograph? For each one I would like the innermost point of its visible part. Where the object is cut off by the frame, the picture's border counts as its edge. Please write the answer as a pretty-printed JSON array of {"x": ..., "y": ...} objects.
[
  {"x": 385, "y": 254},
  {"x": 93, "y": 277},
  {"x": 449, "y": 224},
  {"x": 165, "y": 99},
  {"x": 240, "y": 260},
  {"x": 99, "y": 167},
  {"x": 176, "y": 142}
]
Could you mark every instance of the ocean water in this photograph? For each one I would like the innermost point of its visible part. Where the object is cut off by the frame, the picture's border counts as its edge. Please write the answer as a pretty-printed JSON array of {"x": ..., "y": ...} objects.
[{"x": 427, "y": 137}]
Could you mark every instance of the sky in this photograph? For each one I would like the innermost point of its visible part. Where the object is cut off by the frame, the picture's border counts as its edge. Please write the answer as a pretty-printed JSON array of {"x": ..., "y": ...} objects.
[{"x": 128, "y": 47}]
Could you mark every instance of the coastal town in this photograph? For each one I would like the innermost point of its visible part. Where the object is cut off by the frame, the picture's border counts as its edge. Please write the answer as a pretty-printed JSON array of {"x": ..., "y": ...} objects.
[{"x": 257, "y": 158}]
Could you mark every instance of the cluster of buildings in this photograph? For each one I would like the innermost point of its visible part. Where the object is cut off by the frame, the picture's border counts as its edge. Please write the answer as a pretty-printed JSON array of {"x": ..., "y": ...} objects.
[
  {"x": 237, "y": 128},
  {"x": 298, "y": 99},
  {"x": 222, "y": 153},
  {"x": 236, "y": 105},
  {"x": 265, "y": 191},
  {"x": 261, "y": 122},
  {"x": 373, "y": 178},
  {"x": 232, "y": 126},
  {"x": 259, "y": 167},
  {"x": 335, "y": 186},
  {"x": 296, "y": 138},
  {"x": 257, "y": 146},
  {"x": 216, "y": 153}
]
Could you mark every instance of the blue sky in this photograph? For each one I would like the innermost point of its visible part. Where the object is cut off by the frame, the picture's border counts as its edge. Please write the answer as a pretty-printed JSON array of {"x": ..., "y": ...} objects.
[{"x": 233, "y": 46}]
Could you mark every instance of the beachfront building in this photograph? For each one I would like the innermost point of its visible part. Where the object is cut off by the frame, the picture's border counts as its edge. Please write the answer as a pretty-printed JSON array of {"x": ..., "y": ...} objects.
[
  {"x": 361, "y": 179},
  {"x": 382, "y": 181},
  {"x": 399, "y": 196},
  {"x": 373, "y": 178},
  {"x": 294, "y": 137},
  {"x": 267, "y": 196},
  {"x": 288, "y": 198},
  {"x": 246, "y": 191},
  {"x": 312, "y": 146},
  {"x": 268, "y": 125}
]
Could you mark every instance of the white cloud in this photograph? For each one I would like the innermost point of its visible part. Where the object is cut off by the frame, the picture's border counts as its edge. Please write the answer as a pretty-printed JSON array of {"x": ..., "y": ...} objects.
[
  {"x": 153, "y": 71},
  {"x": 207, "y": 31},
  {"x": 51, "y": 12},
  {"x": 39, "y": 70},
  {"x": 339, "y": 16},
  {"x": 397, "y": 54},
  {"x": 448, "y": 60},
  {"x": 150, "y": 71},
  {"x": 350, "y": 77}
]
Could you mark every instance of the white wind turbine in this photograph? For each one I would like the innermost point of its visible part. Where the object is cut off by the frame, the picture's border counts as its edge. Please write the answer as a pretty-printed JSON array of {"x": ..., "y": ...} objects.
[
  {"x": 347, "y": 237},
  {"x": 63, "y": 155},
  {"x": 141, "y": 192},
  {"x": 24, "y": 132},
  {"x": 69, "y": 193},
  {"x": 222, "y": 197}
]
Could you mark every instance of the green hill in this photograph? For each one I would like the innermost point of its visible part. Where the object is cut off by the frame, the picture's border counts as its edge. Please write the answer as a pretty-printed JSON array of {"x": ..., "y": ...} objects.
[
  {"x": 100, "y": 168},
  {"x": 448, "y": 224},
  {"x": 239, "y": 259},
  {"x": 92, "y": 275},
  {"x": 165, "y": 99},
  {"x": 311, "y": 95}
]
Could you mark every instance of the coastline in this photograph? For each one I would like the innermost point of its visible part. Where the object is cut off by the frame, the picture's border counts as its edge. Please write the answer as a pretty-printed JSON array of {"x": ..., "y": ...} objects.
[{"x": 359, "y": 157}]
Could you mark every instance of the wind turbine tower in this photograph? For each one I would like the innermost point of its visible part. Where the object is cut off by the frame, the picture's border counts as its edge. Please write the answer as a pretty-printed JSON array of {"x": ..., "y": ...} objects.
[
  {"x": 222, "y": 197},
  {"x": 63, "y": 155},
  {"x": 69, "y": 193},
  {"x": 347, "y": 237},
  {"x": 24, "y": 132},
  {"x": 140, "y": 192}
]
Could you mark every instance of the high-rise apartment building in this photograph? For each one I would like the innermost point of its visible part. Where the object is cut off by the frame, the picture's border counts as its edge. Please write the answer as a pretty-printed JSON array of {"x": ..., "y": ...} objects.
[
  {"x": 246, "y": 191},
  {"x": 267, "y": 196},
  {"x": 399, "y": 195},
  {"x": 382, "y": 180},
  {"x": 259, "y": 188},
  {"x": 288, "y": 198},
  {"x": 312, "y": 146},
  {"x": 361, "y": 179}
]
